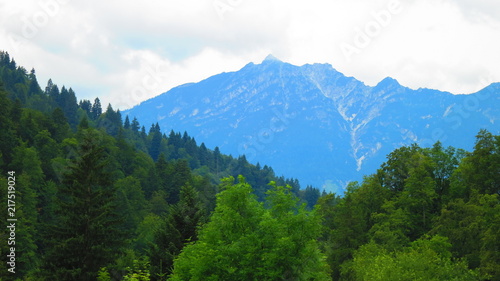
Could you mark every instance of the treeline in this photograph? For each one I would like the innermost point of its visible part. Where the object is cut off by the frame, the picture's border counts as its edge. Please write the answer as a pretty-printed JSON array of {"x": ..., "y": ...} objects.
[
  {"x": 94, "y": 191},
  {"x": 427, "y": 214},
  {"x": 98, "y": 199},
  {"x": 60, "y": 106}
]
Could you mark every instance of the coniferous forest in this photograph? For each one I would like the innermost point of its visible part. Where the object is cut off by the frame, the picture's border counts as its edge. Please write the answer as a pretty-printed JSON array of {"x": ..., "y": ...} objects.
[{"x": 90, "y": 195}]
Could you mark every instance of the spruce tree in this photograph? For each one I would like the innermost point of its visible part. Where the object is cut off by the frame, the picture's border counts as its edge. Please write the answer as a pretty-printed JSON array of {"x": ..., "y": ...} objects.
[
  {"x": 6, "y": 129},
  {"x": 135, "y": 125},
  {"x": 126, "y": 125},
  {"x": 34, "y": 87},
  {"x": 155, "y": 145},
  {"x": 85, "y": 237},
  {"x": 86, "y": 105},
  {"x": 96, "y": 109},
  {"x": 179, "y": 228}
]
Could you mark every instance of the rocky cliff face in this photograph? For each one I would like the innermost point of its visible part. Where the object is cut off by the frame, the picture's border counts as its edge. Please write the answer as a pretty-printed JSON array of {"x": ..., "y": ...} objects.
[{"x": 313, "y": 123}]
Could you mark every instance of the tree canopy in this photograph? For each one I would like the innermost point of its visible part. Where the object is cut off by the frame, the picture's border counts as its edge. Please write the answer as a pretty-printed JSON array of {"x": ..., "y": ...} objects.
[{"x": 97, "y": 199}]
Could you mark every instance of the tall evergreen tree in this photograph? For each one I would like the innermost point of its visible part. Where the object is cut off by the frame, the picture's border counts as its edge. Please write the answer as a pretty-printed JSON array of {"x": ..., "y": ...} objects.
[
  {"x": 86, "y": 105},
  {"x": 155, "y": 145},
  {"x": 96, "y": 109},
  {"x": 111, "y": 121},
  {"x": 135, "y": 125},
  {"x": 71, "y": 108},
  {"x": 66, "y": 100},
  {"x": 52, "y": 91},
  {"x": 60, "y": 128},
  {"x": 7, "y": 142},
  {"x": 86, "y": 236},
  {"x": 29, "y": 183},
  {"x": 34, "y": 88},
  {"x": 179, "y": 228},
  {"x": 126, "y": 124}
]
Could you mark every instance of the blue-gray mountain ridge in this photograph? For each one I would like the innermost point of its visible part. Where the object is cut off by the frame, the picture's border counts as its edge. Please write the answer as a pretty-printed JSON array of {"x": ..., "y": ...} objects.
[{"x": 313, "y": 123}]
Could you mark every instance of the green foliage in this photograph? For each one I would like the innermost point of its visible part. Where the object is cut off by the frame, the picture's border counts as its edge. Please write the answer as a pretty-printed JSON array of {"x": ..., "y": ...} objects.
[
  {"x": 245, "y": 241},
  {"x": 103, "y": 275},
  {"x": 409, "y": 213},
  {"x": 419, "y": 191},
  {"x": 472, "y": 228},
  {"x": 130, "y": 202},
  {"x": 479, "y": 170},
  {"x": 86, "y": 235},
  {"x": 446, "y": 162},
  {"x": 7, "y": 133},
  {"x": 424, "y": 259},
  {"x": 29, "y": 182},
  {"x": 395, "y": 171},
  {"x": 348, "y": 220},
  {"x": 47, "y": 149},
  {"x": 145, "y": 232},
  {"x": 310, "y": 196},
  {"x": 179, "y": 228},
  {"x": 95, "y": 197},
  {"x": 139, "y": 272}
]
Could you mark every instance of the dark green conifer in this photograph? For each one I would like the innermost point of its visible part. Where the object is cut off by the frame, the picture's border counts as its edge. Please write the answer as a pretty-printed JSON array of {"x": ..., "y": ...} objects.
[{"x": 86, "y": 235}]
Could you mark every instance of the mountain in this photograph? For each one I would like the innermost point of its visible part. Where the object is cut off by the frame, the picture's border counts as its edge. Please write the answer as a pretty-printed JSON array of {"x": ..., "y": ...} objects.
[{"x": 314, "y": 123}]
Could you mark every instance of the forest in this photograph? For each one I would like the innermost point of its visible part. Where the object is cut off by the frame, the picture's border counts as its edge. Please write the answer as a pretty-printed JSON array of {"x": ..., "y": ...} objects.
[{"x": 90, "y": 196}]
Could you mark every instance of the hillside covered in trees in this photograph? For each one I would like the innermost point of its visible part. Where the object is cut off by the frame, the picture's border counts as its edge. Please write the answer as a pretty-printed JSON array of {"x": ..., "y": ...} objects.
[{"x": 101, "y": 198}]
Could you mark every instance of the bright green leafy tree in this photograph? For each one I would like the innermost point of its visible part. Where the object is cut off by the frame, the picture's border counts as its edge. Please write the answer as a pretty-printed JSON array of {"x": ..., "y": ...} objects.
[
  {"x": 425, "y": 259},
  {"x": 245, "y": 241}
]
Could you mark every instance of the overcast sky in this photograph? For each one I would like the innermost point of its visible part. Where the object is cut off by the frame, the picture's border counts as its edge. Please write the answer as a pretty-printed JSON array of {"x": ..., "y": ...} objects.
[{"x": 128, "y": 51}]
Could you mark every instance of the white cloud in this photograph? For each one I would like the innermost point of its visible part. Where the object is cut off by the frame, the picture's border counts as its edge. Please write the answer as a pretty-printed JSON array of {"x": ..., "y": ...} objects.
[{"x": 113, "y": 49}]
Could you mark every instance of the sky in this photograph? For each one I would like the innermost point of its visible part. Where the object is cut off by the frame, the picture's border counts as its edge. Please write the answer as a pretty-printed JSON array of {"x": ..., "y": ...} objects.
[{"x": 125, "y": 52}]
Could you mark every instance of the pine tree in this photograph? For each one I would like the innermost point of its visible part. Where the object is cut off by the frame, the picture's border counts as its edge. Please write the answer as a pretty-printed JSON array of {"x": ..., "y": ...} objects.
[
  {"x": 96, "y": 109},
  {"x": 179, "y": 228},
  {"x": 181, "y": 175},
  {"x": 52, "y": 91},
  {"x": 86, "y": 236},
  {"x": 29, "y": 183},
  {"x": 155, "y": 145},
  {"x": 34, "y": 88},
  {"x": 111, "y": 121},
  {"x": 6, "y": 129},
  {"x": 135, "y": 125},
  {"x": 86, "y": 105},
  {"x": 71, "y": 108},
  {"x": 60, "y": 128},
  {"x": 126, "y": 125}
]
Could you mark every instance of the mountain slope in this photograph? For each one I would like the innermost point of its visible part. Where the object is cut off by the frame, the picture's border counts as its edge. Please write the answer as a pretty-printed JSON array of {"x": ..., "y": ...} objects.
[{"x": 315, "y": 124}]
